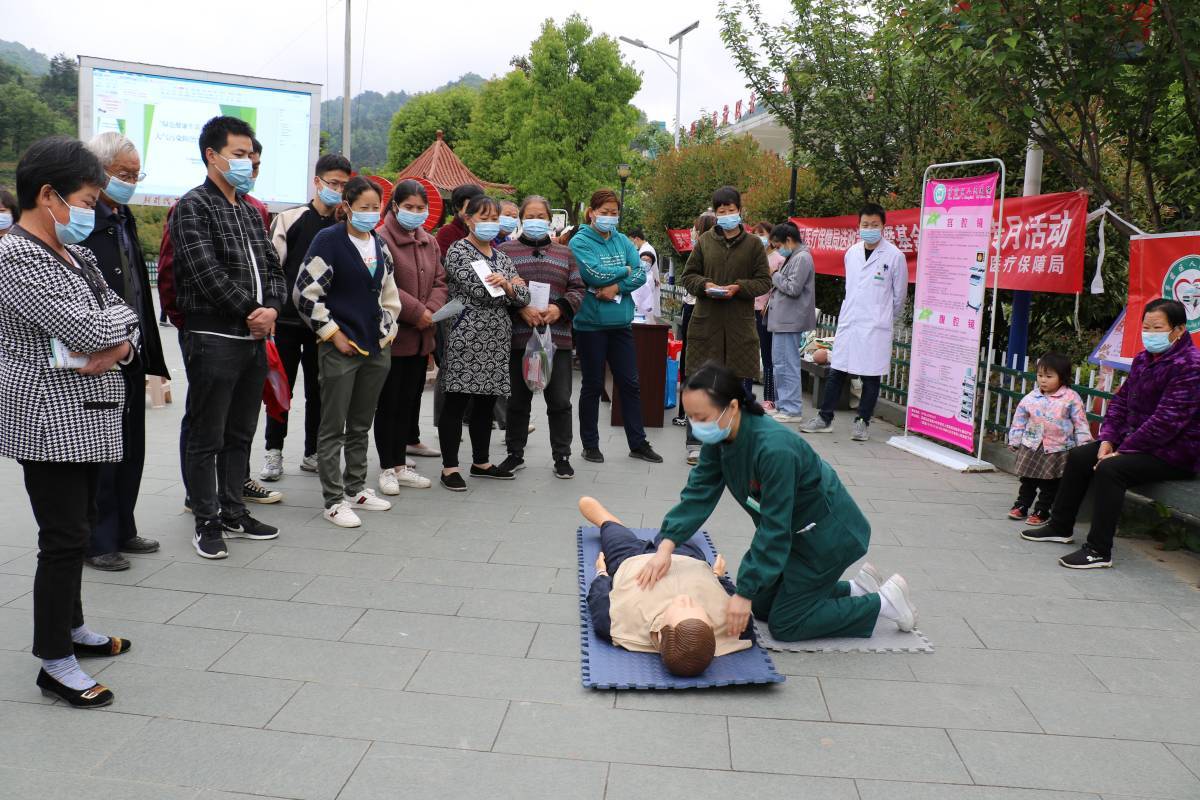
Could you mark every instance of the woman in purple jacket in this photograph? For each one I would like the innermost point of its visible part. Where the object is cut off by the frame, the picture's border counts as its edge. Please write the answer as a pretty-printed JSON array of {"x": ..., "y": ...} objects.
[{"x": 1150, "y": 433}]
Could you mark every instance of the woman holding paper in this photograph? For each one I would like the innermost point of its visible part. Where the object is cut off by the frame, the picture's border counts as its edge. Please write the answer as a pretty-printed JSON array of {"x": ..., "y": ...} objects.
[
  {"x": 61, "y": 422},
  {"x": 475, "y": 366},
  {"x": 556, "y": 290}
]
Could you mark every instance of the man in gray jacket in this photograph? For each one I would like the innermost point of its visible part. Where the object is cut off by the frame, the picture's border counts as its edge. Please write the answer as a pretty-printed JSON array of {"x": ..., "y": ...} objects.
[{"x": 791, "y": 312}]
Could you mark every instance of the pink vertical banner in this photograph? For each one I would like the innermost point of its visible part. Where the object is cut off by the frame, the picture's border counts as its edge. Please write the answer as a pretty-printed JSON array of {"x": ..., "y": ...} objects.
[{"x": 952, "y": 269}]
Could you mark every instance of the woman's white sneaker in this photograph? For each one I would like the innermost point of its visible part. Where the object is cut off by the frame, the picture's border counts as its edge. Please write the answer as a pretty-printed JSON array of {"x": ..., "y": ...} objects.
[
  {"x": 407, "y": 476},
  {"x": 896, "y": 604},
  {"x": 389, "y": 483},
  {"x": 342, "y": 515},
  {"x": 367, "y": 500}
]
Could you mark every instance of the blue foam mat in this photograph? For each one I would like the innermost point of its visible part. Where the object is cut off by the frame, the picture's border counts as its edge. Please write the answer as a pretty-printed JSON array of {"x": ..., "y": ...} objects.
[{"x": 606, "y": 666}]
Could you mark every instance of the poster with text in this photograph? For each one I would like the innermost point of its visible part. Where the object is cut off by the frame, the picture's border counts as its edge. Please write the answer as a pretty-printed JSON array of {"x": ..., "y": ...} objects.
[
  {"x": 952, "y": 269},
  {"x": 1162, "y": 265}
]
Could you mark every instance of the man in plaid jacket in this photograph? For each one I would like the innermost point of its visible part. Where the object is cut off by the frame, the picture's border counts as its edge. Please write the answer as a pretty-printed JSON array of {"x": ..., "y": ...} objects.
[{"x": 230, "y": 287}]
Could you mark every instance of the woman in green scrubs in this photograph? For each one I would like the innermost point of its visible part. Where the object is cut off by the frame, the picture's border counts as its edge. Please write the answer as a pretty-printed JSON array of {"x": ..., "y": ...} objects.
[{"x": 808, "y": 528}]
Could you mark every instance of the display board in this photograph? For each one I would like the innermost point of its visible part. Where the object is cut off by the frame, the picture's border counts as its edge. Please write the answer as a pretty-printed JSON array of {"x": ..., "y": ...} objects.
[{"x": 162, "y": 109}]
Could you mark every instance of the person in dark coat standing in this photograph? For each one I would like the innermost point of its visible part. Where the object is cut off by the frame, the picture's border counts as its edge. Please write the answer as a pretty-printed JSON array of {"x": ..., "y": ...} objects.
[{"x": 114, "y": 241}]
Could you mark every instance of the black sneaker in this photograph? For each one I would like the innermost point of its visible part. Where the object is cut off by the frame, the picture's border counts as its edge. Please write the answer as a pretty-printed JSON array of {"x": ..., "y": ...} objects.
[
  {"x": 255, "y": 492},
  {"x": 1086, "y": 558},
  {"x": 593, "y": 455},
  {"x": 563, "y": 469},
  {"x": 495, "y": 472},
  {"x": 247, "y": 527},
  {"x": 209, "y": 543},
  {"x": 646, "y": 453},
  {"x": 679, "y": 421},
  {"x": 512, "y": 464},
  {"x": 454, "y": 482},
  {"x": 1047, "y": 533}
]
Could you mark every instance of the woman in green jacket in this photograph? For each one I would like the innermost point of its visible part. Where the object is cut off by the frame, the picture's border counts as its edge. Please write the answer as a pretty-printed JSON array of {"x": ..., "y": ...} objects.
[{"x": 808, "y": 528}]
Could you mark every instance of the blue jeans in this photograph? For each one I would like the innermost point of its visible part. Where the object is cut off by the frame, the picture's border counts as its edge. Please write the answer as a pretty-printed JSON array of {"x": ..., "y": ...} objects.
[
  {"x": 614, "y": 346},
  {"x": 785, "y": 353}
]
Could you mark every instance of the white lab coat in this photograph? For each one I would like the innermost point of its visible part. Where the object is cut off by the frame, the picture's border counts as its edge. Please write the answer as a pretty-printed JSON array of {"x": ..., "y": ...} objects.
[
  {"x": 647, "y": 298},
  {"x": 875, "y": 295}
]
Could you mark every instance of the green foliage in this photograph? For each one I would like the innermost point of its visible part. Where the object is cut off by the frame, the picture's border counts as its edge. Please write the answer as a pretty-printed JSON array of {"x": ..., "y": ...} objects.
[
  {"x": 370, "y": 116},
  {"x": 414, "y": 127},
  {"x": 497, "y": 111},
  {"x": 25, "y": 118},
  {"x": 150, "y": 221},
  {"x": 23, "y": 58}
]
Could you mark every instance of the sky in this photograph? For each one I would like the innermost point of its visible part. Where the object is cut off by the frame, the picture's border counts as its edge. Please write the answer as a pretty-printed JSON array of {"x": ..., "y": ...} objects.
[{"x": 409, "y": 45}]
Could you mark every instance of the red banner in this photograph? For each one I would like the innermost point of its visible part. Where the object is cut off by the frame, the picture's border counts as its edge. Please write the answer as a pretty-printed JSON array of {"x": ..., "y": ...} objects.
[
  {"x": 1041, "y": 250},
  {"x": 681, "y": 239},
  {"x": 1162, "y": 265}
]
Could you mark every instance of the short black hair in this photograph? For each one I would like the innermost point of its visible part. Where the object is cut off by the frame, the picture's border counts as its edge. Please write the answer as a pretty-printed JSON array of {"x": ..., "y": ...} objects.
[
  {"x": 408, "y": 188},
  {"x": 784, "y": 231},
  {"x": 637, "y": 232},
  {"x": 1173, "y": 309},
  {"x": 872, "y": 210},
  {"x": 357, "y": 187},
  {"x": 332, "y": 162},
  {"x": 726, "y": 195},
  {"x": 10, "y": 202},
  {"x": 479, "y": 204},
  {"x": 1059, "y": 364},
  {"x": 255, "y": 145},
  {"x": 463, "y": 193},
  {"x": 722, "y": 387},
  {"x": 64, "y": 163},
  {"x": 216, "y": 133}
]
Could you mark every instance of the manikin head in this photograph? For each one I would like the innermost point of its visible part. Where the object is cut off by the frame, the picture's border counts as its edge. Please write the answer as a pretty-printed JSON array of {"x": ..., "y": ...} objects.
[{"x": 686, "y": 641}]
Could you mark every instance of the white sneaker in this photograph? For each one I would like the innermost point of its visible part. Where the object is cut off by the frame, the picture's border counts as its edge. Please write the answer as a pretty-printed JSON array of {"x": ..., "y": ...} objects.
[
  {"x": 423, "y": 450},
  {"x": 342, "y": 515},
  {"x": 896, "y": 592},
  {"x": 407, "y": 476},
  {"x": 388, "y": 482},
  {"x": 869, "y": 579},
  {"x": 366, "y": 500},
  {"x": 408, "y": 462},
  {"x": 309, "y": 463},
  {"x": 787, "y": 418},
  {"x": 272, "y": 466}
]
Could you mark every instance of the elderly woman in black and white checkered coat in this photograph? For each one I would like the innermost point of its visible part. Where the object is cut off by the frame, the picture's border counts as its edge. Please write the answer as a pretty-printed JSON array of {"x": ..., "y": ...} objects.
[{"x": 61, "y": 420}]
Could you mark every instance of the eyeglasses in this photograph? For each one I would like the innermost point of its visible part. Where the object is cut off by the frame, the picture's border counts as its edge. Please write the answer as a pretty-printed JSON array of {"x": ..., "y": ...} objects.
[
  {"x": 337, "y": 186},
  {"x": 129, "y": 177}
]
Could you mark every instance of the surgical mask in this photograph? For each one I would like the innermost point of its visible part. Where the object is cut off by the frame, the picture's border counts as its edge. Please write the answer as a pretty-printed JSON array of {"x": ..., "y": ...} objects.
[
  {"x": 870, "y": 235},
  {"x": 364, "y": 221},
  {"x": 247, "y": 189},
  {"x": 79, "y": 226},
  {"x": 508, "y": 224},
  {"x": 328, "y": 196},
  {"x": 784, "y": 251},
  {"x": 711, "y": 432},
  {"x": 1156, "y": 341},
  {"x": 606, "y": 224},
  {"x": 119, "y": 191},
  {"x": 240, "y": 174},
  {"x": 729, "y": 221},
  {"x": 766, "y": 242},
  {"x": 411, "y": 220},
  {"x": 486, "y": 231},
  {"x": 536, "y": 229},
  {"x": 6, "y": 220}
]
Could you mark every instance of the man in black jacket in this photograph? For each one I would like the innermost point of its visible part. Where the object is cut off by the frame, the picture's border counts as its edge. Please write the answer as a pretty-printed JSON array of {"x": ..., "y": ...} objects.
[
  {"x": 114, "y": 240},
  {"x": 230, "y": 288}
]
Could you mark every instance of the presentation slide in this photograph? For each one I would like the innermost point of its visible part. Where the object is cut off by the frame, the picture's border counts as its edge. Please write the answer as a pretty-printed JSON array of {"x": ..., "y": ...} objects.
[{"x": 163, "y": 116}]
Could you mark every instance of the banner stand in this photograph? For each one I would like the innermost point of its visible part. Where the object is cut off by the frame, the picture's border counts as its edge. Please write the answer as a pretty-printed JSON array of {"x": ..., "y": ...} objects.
[{"x": 925, "y": 448}]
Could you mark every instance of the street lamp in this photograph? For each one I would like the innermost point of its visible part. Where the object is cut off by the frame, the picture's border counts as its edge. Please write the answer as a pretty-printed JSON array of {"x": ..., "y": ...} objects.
[
  {"x": 623, "y": 172},
  {"x": 677, "y": 39}
]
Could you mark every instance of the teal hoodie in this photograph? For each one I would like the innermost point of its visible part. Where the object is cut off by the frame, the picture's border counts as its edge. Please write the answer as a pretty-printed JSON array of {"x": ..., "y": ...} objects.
[{"x": 603, "y": 262}]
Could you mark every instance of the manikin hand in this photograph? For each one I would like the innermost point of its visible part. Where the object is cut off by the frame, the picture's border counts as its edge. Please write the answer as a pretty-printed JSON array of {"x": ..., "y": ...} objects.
[
  {"x": 718, "y": 566},
  {"x": 601, "y": 567}
]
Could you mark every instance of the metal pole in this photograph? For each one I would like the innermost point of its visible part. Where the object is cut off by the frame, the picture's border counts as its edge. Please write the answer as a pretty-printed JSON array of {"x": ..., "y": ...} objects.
[
  {"x": 678, "y": 88},
  {"x": 1022, "y": 301},
  {"x": 346, "y": 91},
  {"x": 623, "y": 191}
]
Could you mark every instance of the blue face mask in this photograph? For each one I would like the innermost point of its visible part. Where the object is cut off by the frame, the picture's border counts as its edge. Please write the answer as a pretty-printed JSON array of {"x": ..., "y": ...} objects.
[
  {"x": 240, "y": 174},
  {"x": 328, "y": 196},
  {"x": 729, "y": 221},
  {"x": 536, "y": 229},
  {"x": 79, "y": 225},
  {"x": 784, "y": 251},
  {"x": 411, "y": 220},
  {"x": 6, "y": 220},
  {"x": 508, "y": 224},
  {"x": 247, "y": 189},
  {"x": 364, "y": 221},
  {"x": 606, "y": 224},
  {"x": 1156, "y": 341},
  {"x": 711, "y": 432},
  {"x": 870, "y": 235},
  {"x": 486, "y": 231},
  {"x": 119, "y": 191}
]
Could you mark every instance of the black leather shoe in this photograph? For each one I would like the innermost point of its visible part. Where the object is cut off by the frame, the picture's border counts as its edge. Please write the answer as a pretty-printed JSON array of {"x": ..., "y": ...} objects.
[
  {"x": 646, "y": 453},
  {"x": 113, "y": 647},
  {"x": 109, "y": 562},
  {"x": 96, "y": 696},
  {"x": 593, "y": 455},
  {"x": 139, "y": 544}
]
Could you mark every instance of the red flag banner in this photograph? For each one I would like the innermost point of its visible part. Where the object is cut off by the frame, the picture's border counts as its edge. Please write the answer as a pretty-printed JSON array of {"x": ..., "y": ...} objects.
[
  {"x": 681, "y": 239},
  {"x": 1042, "y": 247},
  {"x": 1162, "y": 265}
]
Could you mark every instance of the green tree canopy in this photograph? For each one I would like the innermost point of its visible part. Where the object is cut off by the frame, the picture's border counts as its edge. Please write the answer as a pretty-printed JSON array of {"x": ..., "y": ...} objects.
[{"x": 415, "y": 126}]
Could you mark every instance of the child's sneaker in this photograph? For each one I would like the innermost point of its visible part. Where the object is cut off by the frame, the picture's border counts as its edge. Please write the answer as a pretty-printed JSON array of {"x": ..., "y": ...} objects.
[
  {"x": 1018, "y": 512},
  {"x": 1038, "y": 519}
]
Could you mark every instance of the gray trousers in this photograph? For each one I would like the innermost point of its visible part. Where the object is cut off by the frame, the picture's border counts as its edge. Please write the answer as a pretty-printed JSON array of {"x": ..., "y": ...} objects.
[{"x": 350, "y": 387}]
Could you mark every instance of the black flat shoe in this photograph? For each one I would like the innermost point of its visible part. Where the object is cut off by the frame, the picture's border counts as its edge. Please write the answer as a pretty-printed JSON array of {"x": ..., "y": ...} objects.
[
  {"x": 454, "y": 482},
  {"x": 140, "y": 544},
  {"x": 108, "y": 562},
  {"x": 96, "y": 696},
  {"x": 113, "y": 647},
  {"x": 495, "y": 472},
  {"x": 593, "y": 455}
]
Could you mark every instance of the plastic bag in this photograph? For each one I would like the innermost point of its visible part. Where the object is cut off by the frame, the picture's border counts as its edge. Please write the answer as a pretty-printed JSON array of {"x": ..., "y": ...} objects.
[
  {"x": 539, "y": 355},
  {"x": 277, "y": 395}
]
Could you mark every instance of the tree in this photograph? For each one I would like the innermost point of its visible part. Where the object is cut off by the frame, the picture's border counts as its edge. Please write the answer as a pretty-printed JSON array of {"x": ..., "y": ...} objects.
[
  {"x": 415, "y": 126},
  {"x": 25, "y": 118},
  {"x": 60, "y": 87},
  {"x": 488, "y": 146}
]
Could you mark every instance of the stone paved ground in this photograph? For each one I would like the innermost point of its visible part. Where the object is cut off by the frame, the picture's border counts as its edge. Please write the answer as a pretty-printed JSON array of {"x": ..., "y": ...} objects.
[{"x": 433, "y": 654}]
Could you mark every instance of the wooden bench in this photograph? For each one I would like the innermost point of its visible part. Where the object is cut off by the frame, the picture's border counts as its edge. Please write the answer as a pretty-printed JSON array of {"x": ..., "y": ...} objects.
[{"x": 818, "y": 373}]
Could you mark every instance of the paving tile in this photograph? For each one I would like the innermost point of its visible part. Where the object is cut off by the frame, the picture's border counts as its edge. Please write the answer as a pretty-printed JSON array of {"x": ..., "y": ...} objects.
[
  {"x": 1110, "y": 612},
  {"x": 389, "y": 595},
  {"x": 1089, "y": 640},
  {"x": 190, "y": 694},
  {"x": 1144, "y": 676},
  {"x": 566, "y": 581},
  {"x": 1111, "y": 716},
  {"x": 441, "y": 774},
  {"x": 8, "y": 553},
  {"x": 48, "y": 737},
  {"x": 318, "y": 661},
  {"x": 634, "y": 737},
  {"x": 239, "y": 581},
  {"x": 235, "y": 759},
  {"x": 437, "y": 632},
  {"x": 471, "y": 574},
  {"x": 634, "y": 782},
  {"x": 324, "y": 562},
  {"x": 1005, "y": 584},
  {"x": 798, "y": 698},
  {"x": 16, "y": 629},
  {"x": 13, "y": 586},
  {"x": 18, "y": 671},
  {"x": 1073, "y": 764},
  {"x": 948, "y": 631},
  {"x": 126, "y": 602},
  {"x": 880, "y": 666},
  {"x": 25, "y": 783},
  {"x": 406, "y": 717},
  {"x": 175, "y": 646},
  {"x": 561, "y": 554},
  {"x": 528, "y": 679},
  {"x": 1188, "y": 755},
  {"x": 269, "y": 616},
  {"x": 495, "y": 604},
  {"x": 981, "y": 667},
  {"x": 557, "y": 642},
  {"x": 427, "y": 546},
  {"x": 926, "y": 705},
  {"x": 844, "y": 751},
  {"x": 892, "y": 790}
]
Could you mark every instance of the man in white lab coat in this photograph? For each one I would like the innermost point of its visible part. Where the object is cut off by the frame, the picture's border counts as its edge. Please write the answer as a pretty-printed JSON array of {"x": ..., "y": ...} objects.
[{"x": 876, "y": 289}]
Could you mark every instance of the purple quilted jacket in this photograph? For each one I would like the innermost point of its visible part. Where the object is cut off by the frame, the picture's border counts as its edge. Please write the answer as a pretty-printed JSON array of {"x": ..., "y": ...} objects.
[{"x": 1157, "y": 410}]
